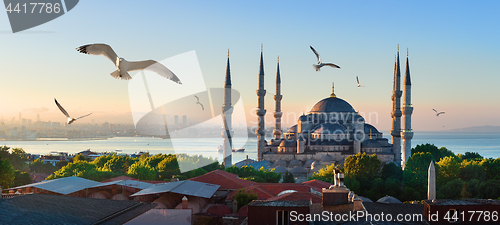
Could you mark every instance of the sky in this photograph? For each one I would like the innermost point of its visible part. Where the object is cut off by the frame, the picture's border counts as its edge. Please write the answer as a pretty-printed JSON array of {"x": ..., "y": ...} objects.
[{"x": 453, "y": 53}]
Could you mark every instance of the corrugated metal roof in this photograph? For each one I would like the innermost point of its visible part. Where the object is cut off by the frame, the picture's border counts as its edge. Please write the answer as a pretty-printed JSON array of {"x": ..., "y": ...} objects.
[
  {"x": 279, "y": 203},
  {"x": 128, "y": 183},
  {"x": 185, "y": 187},
  {"x": 66, "y": 185}
]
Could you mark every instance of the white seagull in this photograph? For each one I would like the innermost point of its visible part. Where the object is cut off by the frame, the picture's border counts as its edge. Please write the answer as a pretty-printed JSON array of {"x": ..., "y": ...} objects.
[
  {"x": 359, "y": 85},
  {"x": 320, "y": 64},
  {"x": 198, "y": 102},
  {"x": 70, "y": 119},
  {"x": 437, "y": 113},
  {"x": 123, "y": 66}
]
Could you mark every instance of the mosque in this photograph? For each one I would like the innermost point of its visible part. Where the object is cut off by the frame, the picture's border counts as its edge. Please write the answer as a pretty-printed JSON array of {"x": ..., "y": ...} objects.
[{"x": 331, "y": 131}]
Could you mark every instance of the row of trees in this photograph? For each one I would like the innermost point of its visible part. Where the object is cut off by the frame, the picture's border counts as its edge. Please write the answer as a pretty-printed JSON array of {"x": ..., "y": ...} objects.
[
  {"x": 147, "y": 167},
  {"x": 457, "y": 176}
]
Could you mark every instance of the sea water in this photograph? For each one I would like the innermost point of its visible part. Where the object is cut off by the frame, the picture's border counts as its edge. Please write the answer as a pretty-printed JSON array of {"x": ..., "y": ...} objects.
[{"x": 486, "y": 144}]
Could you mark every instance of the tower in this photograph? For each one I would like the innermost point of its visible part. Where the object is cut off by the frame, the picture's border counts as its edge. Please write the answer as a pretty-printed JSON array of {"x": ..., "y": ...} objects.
[
  {"x": 227, "y": 111},
  {"x": 261, "y": 112},
  {"x": 396, "y": 112},
  {"x": 277, "y": 112},
  {"x": 431, "y": 182},
  {"x": 407, "y": 133}
]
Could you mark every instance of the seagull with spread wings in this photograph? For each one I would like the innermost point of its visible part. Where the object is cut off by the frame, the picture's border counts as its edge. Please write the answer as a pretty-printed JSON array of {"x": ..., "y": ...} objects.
[
  {"x": 321, "y": 64},
  {"x": 359, "y": 85},
  {"x": 198, "y": 102},
  {"x": 70, "y": 119},
  {"x": 123, "y": 66},
  {"x": 437, "y": 113}
]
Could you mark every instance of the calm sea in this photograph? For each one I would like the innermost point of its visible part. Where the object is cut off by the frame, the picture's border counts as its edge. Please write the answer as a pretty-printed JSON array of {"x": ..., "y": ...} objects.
[{"x": 486, "y": 144}]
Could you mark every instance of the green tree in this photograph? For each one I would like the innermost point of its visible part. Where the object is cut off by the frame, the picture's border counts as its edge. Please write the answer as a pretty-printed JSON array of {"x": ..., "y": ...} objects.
[
  {"x": 449, "y": 169},
  {"x": 325, "y": 174},
  {"x": 471, "y": 155},
  {"x": 288, "y": 178},
  {"x": 451, "y": 190},
  {"x": 415, "y": 173},
  {"x": 141, "y": 171},
  {"x": 38, "y": 166},
  {"x": 6, "y": 173},
  {"x": 21, "y": 178},
  {"x": 492, "y": 168},
  {"x": 168, "y": 166},
  {"x": 490, "y": 189},
  {"x": 243, "y": 198},
  {"x": 80, "y": 157},
  {"x": 249, "y": 173},
  {"x": 437, "y": 153},
  {"x": 17, "y": 156},
  {"x": 471, "y": 169},
  {"x": 118, "y": 164},
  {"x": 362, "y": 167},
  {"x": 391, "y": 170}
]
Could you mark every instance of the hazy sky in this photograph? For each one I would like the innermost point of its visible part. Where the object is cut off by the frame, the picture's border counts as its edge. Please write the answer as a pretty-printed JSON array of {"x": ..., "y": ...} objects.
[{"x": 453, "y": 49}]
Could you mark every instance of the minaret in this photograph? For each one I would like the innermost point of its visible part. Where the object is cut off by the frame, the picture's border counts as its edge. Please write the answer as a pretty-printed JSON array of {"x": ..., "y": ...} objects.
[
  {"x": 277, "y": 112},
  {"x": 261, "y": 112},
  {"x": 431, "y": 182},
  {"x": 227, "y": 111},
  {"x": 396, "y": 112},
  {"x": 406, "y": 133}
]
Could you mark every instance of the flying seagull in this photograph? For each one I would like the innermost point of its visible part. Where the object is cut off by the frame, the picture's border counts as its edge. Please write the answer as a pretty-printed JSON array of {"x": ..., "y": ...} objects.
[
  {"x": 70, "y": 119},
  {"x": 123, "y": 66},
  {"x": 359, "y": 85},
  {"x": 320, "y": 64},
  {"x": 437, "y": 113},
  {"x": 198, "y": 102}
]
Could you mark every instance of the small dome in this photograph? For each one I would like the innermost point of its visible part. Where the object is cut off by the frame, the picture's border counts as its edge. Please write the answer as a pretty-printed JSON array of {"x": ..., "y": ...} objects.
[
  {"x": 293, "y": 129},
  {"x": 369, "y": 127},
  {"x": 295, "y": 163},
  {"x": 280, "y": 169},
  {"x": 303, "y": 118},
  {"x": 308, "y": 163},
  {"x": 219, "y": 209},
  {"x": 330, "y": 128},
  {"x": 288, "y": 143},
  {"x": 364, "y": 199},
  {"x": 332, "y": 105},
  {"x": 279, "y": 163},
  {"x": 370, "y": 143},
  {"x": 299, "y": 170},
  {"x": 327, "y": 158},
  {"x": 315, "y": 165},
  {"x": 243, "y": 211},
  {"x": 388, "y": 200}
]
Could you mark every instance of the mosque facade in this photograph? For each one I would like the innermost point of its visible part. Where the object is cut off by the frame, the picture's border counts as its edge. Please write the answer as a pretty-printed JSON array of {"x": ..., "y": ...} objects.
[{"x": 333, "y": 130}]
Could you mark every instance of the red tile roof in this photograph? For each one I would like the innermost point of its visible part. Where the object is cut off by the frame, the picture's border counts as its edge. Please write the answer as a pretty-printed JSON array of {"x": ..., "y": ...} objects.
[
  {"x": 298, "y": 196},
  {"x": 226, "y": 180},
  {"x": 317, "y": 185},
  {"x": 261, "y": 193}
]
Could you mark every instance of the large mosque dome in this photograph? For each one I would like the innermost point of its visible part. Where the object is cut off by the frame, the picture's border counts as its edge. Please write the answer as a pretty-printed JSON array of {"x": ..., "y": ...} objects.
[{"x": 332, "y": 104}]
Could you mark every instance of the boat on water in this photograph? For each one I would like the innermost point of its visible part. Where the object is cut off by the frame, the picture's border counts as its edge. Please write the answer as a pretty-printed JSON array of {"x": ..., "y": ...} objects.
[{"x": 220, "y": 149}]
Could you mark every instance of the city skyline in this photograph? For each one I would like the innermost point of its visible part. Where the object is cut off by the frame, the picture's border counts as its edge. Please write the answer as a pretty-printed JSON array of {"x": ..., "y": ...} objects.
[{"x": 452, "y": 53}]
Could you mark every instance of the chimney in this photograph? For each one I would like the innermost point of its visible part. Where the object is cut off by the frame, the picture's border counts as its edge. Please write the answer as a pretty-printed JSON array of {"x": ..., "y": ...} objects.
[
  {"x": 235, "y": 206},
  {"x": 184, "y": 202},
  {"x": 247, "y": 157}
]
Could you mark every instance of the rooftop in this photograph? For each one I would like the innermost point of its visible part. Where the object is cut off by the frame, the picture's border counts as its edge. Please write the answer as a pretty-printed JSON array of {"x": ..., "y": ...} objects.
[{"x": 56, "y": 209}]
